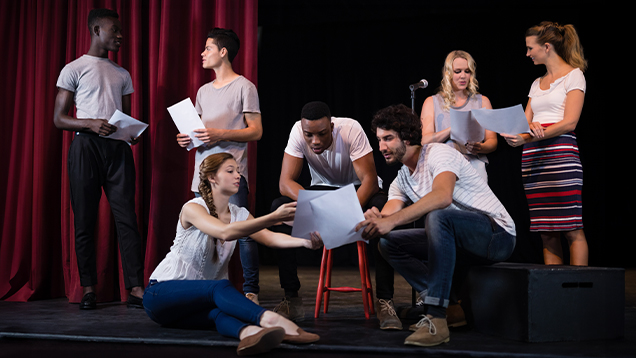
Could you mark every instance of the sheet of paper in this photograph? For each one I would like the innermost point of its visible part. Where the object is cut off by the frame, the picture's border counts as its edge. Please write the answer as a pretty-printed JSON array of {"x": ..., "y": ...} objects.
[
  {"x": 333, "y": 213},
  {"x": 464, "y": 127},
  {"x": 187, "y": 119},
  {"x": 509, "y": 120},
  {"x": 128, "y": 128}
]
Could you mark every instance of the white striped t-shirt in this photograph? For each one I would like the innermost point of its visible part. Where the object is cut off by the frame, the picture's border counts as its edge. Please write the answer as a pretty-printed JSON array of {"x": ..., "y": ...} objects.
[{"x": 471, "y": 192}]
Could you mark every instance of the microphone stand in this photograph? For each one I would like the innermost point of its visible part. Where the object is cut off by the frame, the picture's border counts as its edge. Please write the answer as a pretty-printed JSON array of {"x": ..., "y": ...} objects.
[
  {"x": 413, "y": 87},
  {"x": 412, "y": 98}
]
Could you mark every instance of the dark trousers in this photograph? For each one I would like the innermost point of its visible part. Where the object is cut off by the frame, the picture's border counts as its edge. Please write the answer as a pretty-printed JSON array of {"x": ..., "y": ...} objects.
[
  {"x": 288, "y": 265},
  {"x": 95, "y": 163}
]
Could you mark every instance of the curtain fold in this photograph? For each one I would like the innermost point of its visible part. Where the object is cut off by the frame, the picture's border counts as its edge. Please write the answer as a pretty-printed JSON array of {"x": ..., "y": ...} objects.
[{"x": 161, "y": 50}]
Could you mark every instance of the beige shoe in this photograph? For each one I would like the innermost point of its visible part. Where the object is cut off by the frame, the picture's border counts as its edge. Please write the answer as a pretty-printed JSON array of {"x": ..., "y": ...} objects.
[
  {"x": 291, "y": 308},
  {"x": 387, "y": 316},
  {"x": 263, "y": 341},
  {"x": 301, "y": 338},
  {"x": 252, "y": 297},
  {"x": 454, "y": 317},
  {"x": 431, "y": 332}
]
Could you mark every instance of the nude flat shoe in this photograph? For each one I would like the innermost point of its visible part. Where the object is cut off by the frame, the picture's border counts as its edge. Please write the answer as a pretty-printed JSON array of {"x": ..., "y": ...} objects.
[
  {"x": 302, "y": 337},
  {"x": 261, "y": 342}
]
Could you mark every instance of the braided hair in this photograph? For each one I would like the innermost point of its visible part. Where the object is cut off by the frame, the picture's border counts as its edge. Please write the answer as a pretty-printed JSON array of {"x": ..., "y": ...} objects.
[{"x": 209, "y": 167}]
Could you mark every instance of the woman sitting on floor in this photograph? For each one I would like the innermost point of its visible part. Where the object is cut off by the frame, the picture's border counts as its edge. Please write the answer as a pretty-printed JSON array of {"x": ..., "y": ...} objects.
[{"x": 189, "y": 288}]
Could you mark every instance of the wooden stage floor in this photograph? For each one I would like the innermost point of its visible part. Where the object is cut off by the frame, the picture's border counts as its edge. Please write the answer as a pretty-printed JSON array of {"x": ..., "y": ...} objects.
[{"x": 52, "y": 328}]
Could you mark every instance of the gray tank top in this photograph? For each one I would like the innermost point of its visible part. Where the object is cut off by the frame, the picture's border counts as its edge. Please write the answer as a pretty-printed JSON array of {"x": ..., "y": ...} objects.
[{"x": 442, "y": 121}]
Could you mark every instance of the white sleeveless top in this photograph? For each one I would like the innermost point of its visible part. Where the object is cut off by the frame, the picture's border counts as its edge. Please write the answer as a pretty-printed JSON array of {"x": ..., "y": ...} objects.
[{"x": 190, "y": 257}]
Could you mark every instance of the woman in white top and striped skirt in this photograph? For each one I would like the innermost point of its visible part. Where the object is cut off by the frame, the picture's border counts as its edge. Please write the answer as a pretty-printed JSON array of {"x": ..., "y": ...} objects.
[{"x": 551, "y": 168}]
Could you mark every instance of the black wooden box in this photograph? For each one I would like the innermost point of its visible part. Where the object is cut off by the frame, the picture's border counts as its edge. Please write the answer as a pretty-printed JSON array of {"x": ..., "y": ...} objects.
[{"x": 539, "y": 303}]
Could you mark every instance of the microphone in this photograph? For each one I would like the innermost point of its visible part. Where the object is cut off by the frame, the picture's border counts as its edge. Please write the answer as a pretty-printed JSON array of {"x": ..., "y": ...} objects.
[{"x": 422, "y": 84}]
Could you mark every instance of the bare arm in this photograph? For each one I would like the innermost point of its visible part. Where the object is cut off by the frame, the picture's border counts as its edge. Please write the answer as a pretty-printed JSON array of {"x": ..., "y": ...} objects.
[
  {"x": 252, "y": 132},
  {"x": 573, "y": 107},
  {"x": 290, "y": 171},
  {"x": 428, "y": 124},
  {"x": 196, "y": 215},
  {"x": 283, "y": 241},
  {"x": 62, "y": 120},
  {"x": 365, "y": 170}
]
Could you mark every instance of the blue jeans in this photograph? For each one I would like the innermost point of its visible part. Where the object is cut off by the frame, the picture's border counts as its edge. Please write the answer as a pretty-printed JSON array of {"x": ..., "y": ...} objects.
[
  {"x": 201, "y": 304},
  {"x": 426, "y": 257},
  {"x": 248, "y": 248}
]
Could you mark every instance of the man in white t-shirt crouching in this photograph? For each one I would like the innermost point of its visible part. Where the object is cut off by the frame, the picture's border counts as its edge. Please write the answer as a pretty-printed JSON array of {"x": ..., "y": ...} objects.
[
  {"x": 465, "y": 222},
  {"x": 338, "y": 153}
]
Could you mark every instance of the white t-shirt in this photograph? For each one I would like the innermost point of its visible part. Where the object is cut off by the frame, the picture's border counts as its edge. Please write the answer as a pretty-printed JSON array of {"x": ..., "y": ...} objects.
[
  {"x": 334, "y": 166},
  {"x": 225, "y": 108},
  {"x": 548, "y": 106},
  {"x": 190, "y": 257},
  {"x": 98, "y": 84},
  {"x": 471, "y": 192}
]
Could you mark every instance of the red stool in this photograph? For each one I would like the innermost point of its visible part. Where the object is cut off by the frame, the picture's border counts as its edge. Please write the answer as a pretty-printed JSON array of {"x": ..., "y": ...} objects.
[{"x": 324, "y": 283}]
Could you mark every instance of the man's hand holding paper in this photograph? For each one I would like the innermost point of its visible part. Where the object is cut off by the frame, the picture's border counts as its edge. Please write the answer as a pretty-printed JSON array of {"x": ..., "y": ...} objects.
[
  {"x": 128, "y": 128},
  {"x": 187, "y": 120},
  {"x": 374, "y": 224}
]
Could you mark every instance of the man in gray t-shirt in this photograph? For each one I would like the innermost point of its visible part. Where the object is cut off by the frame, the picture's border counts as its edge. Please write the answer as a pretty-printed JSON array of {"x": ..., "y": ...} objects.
[
  {"x": 97, "y": 86},
  {"x": 230, "y": 111}
]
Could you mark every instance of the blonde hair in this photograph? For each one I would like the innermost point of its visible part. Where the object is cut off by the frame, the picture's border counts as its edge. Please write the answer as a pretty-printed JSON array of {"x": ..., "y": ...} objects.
[
  {"x": 564, "y": 39},
  {"x": 209, "y": 167},
  {"x": 446, "y": 89}
]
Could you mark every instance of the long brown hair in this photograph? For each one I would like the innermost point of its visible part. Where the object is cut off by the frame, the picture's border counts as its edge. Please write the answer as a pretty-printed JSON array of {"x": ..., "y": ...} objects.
[
  {"x": 209, "y": 167},
  {"x": 564, "y": 39}
]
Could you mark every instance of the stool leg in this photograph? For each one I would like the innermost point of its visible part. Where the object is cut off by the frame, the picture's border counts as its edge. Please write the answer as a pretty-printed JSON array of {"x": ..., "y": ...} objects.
[
  {"x": 321, "y": 282},
  {"x": 369, "y": 285},
  {"x": 363, "y": 278},
  {"x": 328, "y": 280}
]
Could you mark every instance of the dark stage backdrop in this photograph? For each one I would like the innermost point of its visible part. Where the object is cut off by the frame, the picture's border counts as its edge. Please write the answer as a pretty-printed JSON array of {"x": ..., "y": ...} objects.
[
  {"x": 358, "y": 56},
  {"x": 361, "y": 56},
  {"x": 162, "y": 45}
]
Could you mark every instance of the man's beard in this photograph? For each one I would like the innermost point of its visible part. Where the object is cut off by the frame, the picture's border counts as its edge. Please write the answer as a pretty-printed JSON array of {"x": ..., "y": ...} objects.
[{"x": 398, "y": 154}]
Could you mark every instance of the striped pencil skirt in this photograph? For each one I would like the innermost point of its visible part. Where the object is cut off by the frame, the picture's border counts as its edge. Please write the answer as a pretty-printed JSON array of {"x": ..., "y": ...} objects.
[{"x": 553, "y": 181}]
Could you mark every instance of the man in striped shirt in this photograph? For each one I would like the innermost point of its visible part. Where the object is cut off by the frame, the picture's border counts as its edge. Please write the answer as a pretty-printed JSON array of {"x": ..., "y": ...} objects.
[{"x": 465, "y": 222}]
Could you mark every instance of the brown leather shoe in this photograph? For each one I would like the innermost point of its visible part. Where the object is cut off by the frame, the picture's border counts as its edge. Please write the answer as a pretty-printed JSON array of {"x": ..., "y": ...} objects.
[
  {"x": 263, "y": 341},
  {"x": 455, "y": 316},
  {"x": 385, "y": 311},
  {"x": 302, "y": 337}
]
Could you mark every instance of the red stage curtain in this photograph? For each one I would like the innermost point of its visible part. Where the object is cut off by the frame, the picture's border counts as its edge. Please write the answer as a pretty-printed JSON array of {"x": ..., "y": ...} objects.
[{"x": 162, "y": 45}]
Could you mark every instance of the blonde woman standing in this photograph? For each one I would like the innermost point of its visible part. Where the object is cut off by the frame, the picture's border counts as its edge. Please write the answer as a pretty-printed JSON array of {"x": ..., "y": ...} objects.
[
  {"x": 458, "y": 91},
  {"x": 551, "y": 168}
]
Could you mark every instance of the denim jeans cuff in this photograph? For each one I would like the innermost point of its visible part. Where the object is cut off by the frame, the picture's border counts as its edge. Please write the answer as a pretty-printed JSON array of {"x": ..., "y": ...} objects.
[{"x": 436, "y": 301}]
